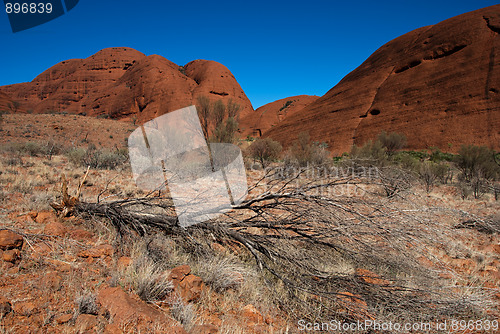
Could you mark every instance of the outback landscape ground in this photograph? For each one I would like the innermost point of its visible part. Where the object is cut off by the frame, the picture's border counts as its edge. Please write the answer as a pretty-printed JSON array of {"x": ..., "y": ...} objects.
[
  {"x": 376, "y": 203},
  {"x": 78, "y": 274}
]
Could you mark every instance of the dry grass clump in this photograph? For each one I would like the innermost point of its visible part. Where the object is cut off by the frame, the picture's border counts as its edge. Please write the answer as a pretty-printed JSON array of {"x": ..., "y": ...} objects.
[
  {"x": 223, "y": 272},
  {"x": 86, "y": 303},
  {"x": 182, "y": 312},
  {"x": 148, "y": 278}
]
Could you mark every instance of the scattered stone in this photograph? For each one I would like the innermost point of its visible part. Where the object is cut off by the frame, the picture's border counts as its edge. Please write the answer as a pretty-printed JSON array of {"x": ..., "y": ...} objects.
[
  {"x": 205, "y": 329},
  {"x": 81, "y": 234},
  {"x": 5, "y": 306},
  {"x": 124, "y": 262},
  {"x": 44, "y": 217},
  {"x": 86, "y": 322},
  {"x": 55, "y": 229},
  {"x": 178, "y": 273},
  {"x": 124, "y": 308},
  {"x": 24, "y": 308},
  {"x": 188, "y": 286},
  {"x": 112, "y": 329},
  {"x": 99, "y": 251},
  {"x": 62, "y": 319},
  {"x": 10, "y": 240},
  {"x": 252, "y": 314}
]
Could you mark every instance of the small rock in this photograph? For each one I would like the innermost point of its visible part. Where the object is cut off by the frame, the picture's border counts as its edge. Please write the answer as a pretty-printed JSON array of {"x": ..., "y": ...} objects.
[
  {"x": 112, "y": 329},
  {"x": 11, "y": 255},
  {"x": 81, "y": 234},
  {"x": 52, "y": 281},
  {"x": 85, "y": 322},
  {"x": 55, "y": 228},
  {"x": 252, "y": 314},
  {"x": 178, "y": 273},
  {"x": 5, "y": 306},
  {"x": 205, "y": 329},
  {"x": 10, "y": 240},
  {"x": 190, "y": 288},
  {"x": 124, "y": 262},
  {"x": 44, "y": 217},
  {"x": 99, "y": 251},
  {"x": 24, "y": 308},
  {"x": 62, "y": 319}
]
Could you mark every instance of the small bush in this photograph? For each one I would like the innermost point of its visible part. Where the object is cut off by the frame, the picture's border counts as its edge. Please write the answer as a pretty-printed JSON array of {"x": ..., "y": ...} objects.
[
  {"x": 303, "y": 152},
  {"x": 371, "y": 154},
  {"x": 477, "y": 167},
  {"x": 430, "y": 173},
  {"x": 265, "y": 150},
  {"x": 94, "y": 158},
  {"x": 392, "y": 141},
  {"x": 286, "y": 105}
]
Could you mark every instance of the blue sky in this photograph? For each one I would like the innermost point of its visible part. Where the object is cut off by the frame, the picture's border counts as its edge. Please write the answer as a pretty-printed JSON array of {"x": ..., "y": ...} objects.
[{"x": 275, "y": 49}]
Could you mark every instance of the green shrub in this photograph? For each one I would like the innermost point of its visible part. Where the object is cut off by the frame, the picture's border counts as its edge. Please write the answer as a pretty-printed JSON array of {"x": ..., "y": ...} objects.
[
  {"x": 286, "y": 105},
  {"x": 438, "y": 156}
]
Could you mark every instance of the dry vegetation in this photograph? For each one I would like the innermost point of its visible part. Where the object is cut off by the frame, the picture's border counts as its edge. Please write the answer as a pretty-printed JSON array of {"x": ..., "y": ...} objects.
[{"x": 375, "y": 235}]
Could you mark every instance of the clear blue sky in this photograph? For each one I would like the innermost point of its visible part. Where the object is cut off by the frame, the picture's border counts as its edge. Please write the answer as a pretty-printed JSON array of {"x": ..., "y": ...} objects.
[{"x": 275, "y": 49}]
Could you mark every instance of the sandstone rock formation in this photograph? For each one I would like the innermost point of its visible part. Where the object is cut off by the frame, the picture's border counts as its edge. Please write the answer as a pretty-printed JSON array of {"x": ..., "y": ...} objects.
[
  {"x": 264, "y": 118},
  {"x": 439, "y": 85},
  {"x": 5, "y": 102},
  {"x": 124, "y": 83}
]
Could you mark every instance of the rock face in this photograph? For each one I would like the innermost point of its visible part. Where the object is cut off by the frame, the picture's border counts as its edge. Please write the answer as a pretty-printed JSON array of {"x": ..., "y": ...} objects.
[
  {"x": 5, "y": 102},
  {"x": 439, "y": 85},
  {"x": 124, "y": 83},
  {"x": 10, "y": 240},
  {"x": 264, "y": 118}
]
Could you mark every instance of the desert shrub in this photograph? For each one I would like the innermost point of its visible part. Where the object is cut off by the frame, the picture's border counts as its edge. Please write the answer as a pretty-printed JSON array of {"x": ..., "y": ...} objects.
[
  {"x": 477, "y": 160},
  {"x": 438, "y": 156},
  {"x": 394, "y": 180},
  {"x": 100, "y": 159},
  {"x": 219, "y": 121},
  {"x": 372, "y": 153},
  {"x": 431, "y": 172},
  {"x": 264, "y": 150},
  {"x": 286, "y": 105},
  {"x": 303, "y": 152},
  {"x": 477, "y": 167},
  {"x": 392, "y": 142}
]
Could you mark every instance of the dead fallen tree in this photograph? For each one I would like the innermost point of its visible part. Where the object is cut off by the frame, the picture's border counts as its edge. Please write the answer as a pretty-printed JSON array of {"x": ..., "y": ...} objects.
[{"x": 335, "y": 247}]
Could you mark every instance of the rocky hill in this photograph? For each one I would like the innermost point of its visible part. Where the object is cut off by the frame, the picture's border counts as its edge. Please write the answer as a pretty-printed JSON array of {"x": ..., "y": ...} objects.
[
  {"x": 264, "y": 118},
  {"x": 124, "y": 83},
  {"x": 439, "y": 85}
]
